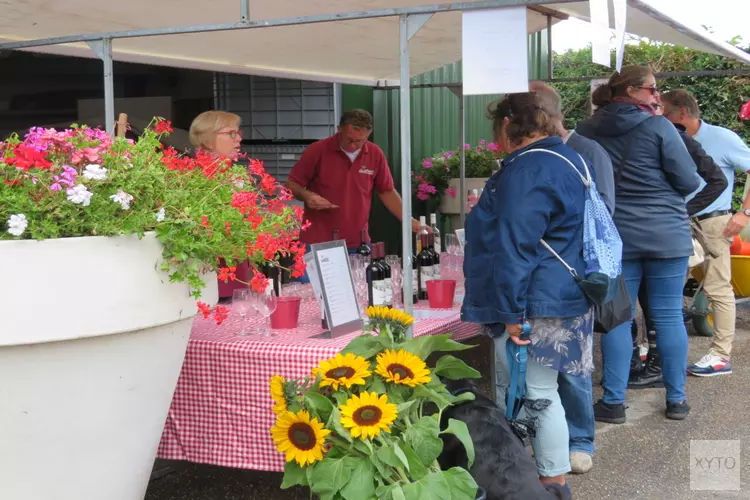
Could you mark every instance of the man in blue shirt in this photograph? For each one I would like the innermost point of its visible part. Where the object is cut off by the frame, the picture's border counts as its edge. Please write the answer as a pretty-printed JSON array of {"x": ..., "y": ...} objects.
[
  {"x": 730, "y": 153},
  {"x": 576, "y": 392}
]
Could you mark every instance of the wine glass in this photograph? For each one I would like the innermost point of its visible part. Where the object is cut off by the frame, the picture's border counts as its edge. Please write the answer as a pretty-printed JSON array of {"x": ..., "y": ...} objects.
[
  {"x": 397, "y": 281},
  {"x": 241, "y": 303},
  {"x": 452, "y": 246},
  {"x": 393, "y": 260},
  {"x": 473, "y": 198},
  {"x": 265, "y": 304},
  {"x": 290, "y": 289}
]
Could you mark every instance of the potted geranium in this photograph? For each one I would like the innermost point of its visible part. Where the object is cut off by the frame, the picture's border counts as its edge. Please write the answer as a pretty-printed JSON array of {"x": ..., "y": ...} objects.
[
  {"x": 358, "y": 428},
  {"x": 105, "y": 245},
  {"x": 436, "y": 180}
]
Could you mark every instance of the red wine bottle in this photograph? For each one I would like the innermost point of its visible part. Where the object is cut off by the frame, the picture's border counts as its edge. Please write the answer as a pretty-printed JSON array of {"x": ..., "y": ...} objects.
[
  {"x": 375, "y": 281},
  {"x": 435, "y": 258},
  {"x": 387, "y": 276},
  {"x": 424, "y": 263},
  {"x": 364, "y": 249}
]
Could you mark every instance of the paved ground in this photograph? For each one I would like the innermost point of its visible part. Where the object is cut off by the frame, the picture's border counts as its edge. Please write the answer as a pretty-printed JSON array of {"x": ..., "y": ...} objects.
[{"x": 647, "y": 458}]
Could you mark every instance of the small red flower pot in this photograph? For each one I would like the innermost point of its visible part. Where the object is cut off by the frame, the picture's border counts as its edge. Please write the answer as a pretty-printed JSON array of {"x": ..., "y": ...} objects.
[
  {"x": 441, "y": 293},
  {"x": 286, "y": 315}
]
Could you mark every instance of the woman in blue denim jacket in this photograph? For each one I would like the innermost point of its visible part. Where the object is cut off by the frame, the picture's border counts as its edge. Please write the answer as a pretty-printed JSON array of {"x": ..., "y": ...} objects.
[{"x": 512, "y": 278}]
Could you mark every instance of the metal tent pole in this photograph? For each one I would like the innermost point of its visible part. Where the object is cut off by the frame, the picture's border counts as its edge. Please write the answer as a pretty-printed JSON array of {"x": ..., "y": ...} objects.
[
  {"x": 549, "y": 48},
  {"x": 103, "y": 49},
  {"x": 462, "y": 168},
  {"x": 408, "y": 27}
]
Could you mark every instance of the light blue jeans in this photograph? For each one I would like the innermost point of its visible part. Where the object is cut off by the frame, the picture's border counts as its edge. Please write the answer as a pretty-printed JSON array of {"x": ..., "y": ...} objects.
[
  {"x": 577, "y": 399},
  {"x": 551, "y": 442}
]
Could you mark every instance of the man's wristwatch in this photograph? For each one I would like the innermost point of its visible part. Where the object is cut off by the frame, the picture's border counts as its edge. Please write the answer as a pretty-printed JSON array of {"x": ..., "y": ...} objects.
[{"x": 745, "y": 212}]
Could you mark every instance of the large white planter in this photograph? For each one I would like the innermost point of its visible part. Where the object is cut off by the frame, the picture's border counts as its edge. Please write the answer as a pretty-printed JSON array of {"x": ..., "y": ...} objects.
[
  {"x": 451, "y": 207},
  {"x": 92, "y": 339}
]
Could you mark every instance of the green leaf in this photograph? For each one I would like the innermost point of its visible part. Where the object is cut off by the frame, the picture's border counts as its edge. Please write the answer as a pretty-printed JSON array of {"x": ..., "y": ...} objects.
[
  {"x": 427, "y": 344},
  {"x": 361, "y": 486},
  {"x": 462, "y": 485},
  {"x": 330, "y": 475},
  {"x": 464, "y": 397},
  {"x": 434, "y": 486},
  {"x": 453, "y": 368},
  {"x": 441, "y": 400},
  {"x": 340, "y": 397},
  {"x": 390, "y": 492},
  {"x": 377, "y": 386},
  {"x": 382, "y": 467},
  {"x": 393, "y": 455},
  {"x": 403, "y": 408},
  {"x": 417, "y": 469},
  {"x": 321, "y": 405},
  {"x": 363, "y": 446},
  {"x": 335, "y": 422},
  {"x": 366, "y": 346},
  {"x": 294, "y": 475},
  {"x": 461, "y": 431},
  {"x": 424, "y": 438}
]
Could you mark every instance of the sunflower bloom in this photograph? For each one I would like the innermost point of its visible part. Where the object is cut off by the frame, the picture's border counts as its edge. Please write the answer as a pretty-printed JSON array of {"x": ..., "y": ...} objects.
[
  {"x": 277, "y": 394},
  {"x": 368, "y": 414},
  {"x": 299, "y": 437},
  {"x": 343, "y": 370},
  {"x": 402, "y": 367},
  {"x": 390, "y": 315}
]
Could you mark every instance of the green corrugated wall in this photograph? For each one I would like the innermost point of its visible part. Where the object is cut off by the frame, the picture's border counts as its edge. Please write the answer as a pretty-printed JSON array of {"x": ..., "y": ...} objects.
[{"x": 435, "y": 123}]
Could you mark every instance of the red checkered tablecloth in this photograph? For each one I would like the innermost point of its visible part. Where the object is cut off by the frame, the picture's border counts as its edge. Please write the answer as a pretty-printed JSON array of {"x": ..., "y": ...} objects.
[{"x": 221, "y": 410}]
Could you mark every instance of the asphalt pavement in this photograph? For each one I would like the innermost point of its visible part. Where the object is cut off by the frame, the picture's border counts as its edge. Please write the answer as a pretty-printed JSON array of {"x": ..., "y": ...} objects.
[{"x": 647, "y": 458}]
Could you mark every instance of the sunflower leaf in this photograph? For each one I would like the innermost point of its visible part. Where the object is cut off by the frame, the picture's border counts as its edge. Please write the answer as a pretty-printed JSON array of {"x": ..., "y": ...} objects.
[
  {"x": 377, "y": 386},
  {"x": 403, "y": 408},
  {"x": 335, "y": 422},
  {"x": 391, "y": 454},
  {"x": 417, "y": 469},
  {"x": 330, "y": 475},
  {"x": 390, "y": 492},
  {"x": 453, "y": 368},
  {"x": 361, "y": 486},
  {"x": 364, "y": 446},
  {"x": 424, "y": 438},
  {"x": 381, "y": 466},
  {"x": 441, "y": 400},
  {"x": 434, "y": 486},
  {"x": 365, "y": 345},
  {"x": 427, "y": 344},
  {"x": 462, "y": 485},
  {"x": 461, "y": 431},
  {"x": 321, "y": 405},
  {"x": 463, "y": 398},
  {"x": 294, "y": 475}
]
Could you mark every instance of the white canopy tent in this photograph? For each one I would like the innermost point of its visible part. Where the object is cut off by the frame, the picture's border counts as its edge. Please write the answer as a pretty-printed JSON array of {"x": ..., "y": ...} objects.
[{"x": 326, "y": 40}]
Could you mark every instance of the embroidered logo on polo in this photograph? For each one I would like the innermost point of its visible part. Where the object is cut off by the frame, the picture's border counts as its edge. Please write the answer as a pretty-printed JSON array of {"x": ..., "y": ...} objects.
[{"x": 365, "y": 170}]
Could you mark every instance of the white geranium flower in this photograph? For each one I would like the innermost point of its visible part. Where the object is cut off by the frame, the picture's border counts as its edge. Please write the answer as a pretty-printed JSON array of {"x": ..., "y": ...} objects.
[
  {"x": 160, "y": 215},
  {"x": 17, "y": 224},
  {"x": 123, "y": 198},
  {"x": 94, "y": 172},
  {"x": 79, "y": 195}
]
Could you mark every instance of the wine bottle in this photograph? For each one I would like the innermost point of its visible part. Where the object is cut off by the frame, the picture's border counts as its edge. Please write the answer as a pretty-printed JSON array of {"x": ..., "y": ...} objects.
[
  {"x": 424, "y": 264},
  {"x": 375, "y": 281},
  {"x": 422, "y": 230},
  {"x": 273, "y": 273},
  {"x": 364, "y": 249},
  {"x": 435, "y": 233},
  {"x": 435, "y": 258},
  {"x": 387, "y": 276}
]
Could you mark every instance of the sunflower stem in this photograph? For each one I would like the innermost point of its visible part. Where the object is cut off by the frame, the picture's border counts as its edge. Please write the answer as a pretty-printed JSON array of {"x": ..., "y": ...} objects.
[{"x": 402, "y": 474}]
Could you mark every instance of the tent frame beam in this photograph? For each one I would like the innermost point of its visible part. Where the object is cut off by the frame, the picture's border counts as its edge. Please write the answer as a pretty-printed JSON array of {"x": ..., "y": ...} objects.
[{"x": 270, "y": 23}]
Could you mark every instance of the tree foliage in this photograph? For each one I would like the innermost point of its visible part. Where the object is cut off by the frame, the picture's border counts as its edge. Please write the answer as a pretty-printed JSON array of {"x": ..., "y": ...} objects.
[{"x": 720, "y": 97}]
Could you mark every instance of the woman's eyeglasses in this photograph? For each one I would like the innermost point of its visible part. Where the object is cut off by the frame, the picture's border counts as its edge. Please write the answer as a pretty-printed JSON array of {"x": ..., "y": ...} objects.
[
  {"x": 233, "y": 134},
  {"x": 652, "y": 90}
]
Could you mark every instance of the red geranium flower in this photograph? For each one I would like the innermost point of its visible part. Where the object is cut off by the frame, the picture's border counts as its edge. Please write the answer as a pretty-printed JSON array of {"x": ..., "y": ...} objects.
[
  {"x": 163, "y": 127},
  {"x": 227, "y": 274}
]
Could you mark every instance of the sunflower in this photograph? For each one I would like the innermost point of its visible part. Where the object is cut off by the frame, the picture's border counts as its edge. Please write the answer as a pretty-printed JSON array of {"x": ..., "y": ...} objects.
[
  {"x": 402, "y": 367},
  {"x": 368, "y": 414},
  {"x": 389, "y": 315},
  {"x": 346, "y": 370},
  {"x": 299, "y": 437},
  {"x": 277, "y": 394}
]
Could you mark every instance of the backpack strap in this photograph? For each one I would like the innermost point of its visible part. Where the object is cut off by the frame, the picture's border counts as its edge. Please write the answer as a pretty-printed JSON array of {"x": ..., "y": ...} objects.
[{"x": 586, "y": 180}]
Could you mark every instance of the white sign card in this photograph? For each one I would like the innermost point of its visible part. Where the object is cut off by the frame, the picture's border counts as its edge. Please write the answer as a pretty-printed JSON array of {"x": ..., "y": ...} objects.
[
  {"x": 334, "y": 276},
  {"x": 600, "y": 32},
  {"x": 494, "y": 53}
]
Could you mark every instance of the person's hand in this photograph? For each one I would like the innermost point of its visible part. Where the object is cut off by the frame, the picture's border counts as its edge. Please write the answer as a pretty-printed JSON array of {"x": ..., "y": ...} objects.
[
  {"x": 416, "y": 226},
  {"x": 514, "y": 333},
  {"x": 736, "y": 224},
  {"x": 317, "y": 202}
]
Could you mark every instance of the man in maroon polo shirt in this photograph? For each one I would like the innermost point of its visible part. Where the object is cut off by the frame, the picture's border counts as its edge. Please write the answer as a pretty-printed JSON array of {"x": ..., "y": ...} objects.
[{"x": 335, "y": 177}]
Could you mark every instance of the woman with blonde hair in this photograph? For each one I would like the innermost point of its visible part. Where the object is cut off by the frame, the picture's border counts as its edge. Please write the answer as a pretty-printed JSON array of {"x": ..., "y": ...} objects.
[{"x": 218, "y": 132}]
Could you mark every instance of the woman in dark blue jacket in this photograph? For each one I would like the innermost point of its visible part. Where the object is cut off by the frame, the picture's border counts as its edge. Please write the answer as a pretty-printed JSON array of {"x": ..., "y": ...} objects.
[
  {"x": 653, "y": 174},
  {"x": 511, "y": 277}
]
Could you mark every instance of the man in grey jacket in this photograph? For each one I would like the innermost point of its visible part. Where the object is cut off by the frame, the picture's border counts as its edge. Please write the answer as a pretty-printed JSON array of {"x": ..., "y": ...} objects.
[{"x": 576, "y": 392}]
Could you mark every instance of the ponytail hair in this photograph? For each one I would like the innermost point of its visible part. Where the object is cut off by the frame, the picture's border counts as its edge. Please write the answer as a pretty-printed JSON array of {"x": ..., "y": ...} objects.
[{"x": 618, "y": 84}]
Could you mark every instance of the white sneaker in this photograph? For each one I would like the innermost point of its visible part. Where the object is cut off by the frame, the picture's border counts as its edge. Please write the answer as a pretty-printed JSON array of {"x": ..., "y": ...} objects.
[
  {"x": 710, "y": 366},
  {"x": 580, "y": 463}
]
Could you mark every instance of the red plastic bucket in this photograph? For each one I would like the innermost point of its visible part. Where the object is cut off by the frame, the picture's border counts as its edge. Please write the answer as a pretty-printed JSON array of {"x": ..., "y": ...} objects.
[
  {"x": 286, "y": 315},
  {"x": 441, "y": 293}
]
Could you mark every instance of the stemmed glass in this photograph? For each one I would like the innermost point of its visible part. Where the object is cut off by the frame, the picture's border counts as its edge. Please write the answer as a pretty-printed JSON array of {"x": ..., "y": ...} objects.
[
  {"x": 265, "y": 304},
  {"x": 473, "y": 198},
  {"x": 453, "y": 247},
  {"x": 397, "y": 281},
  {"x": 241, "y": 303}
]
